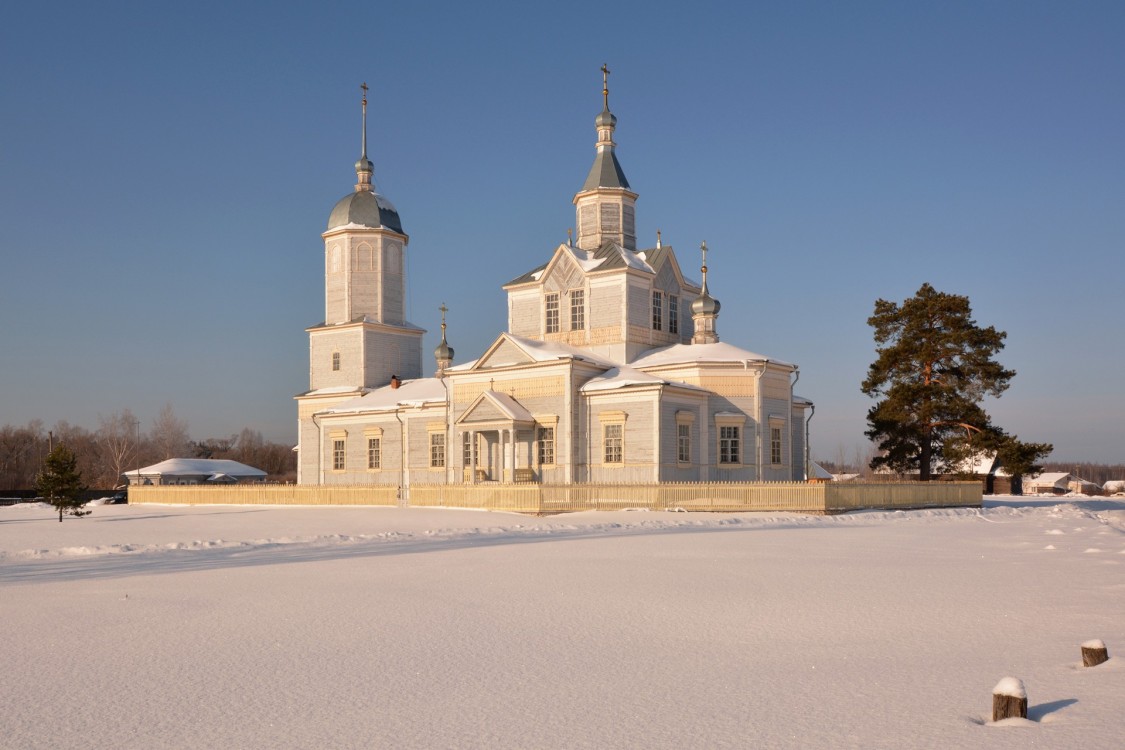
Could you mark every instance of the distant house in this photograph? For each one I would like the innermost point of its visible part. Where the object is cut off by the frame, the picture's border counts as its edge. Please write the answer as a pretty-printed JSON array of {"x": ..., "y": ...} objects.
[
  {"x": 1083, "y": 487},
  {"x": 1114, "y": 486},
  {"x": 1048, "y": 483},
  {"x": 195, "y": 471}
]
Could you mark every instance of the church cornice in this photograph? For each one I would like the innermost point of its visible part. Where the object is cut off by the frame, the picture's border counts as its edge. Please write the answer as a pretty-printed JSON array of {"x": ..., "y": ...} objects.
[
  {"x": 370, "y": 325},
  {"x": 360, "y": 229}
]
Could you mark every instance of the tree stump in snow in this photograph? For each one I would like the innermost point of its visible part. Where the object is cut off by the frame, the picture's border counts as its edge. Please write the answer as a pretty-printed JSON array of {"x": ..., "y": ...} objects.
[
  {"x": 1094, "y": 653},
  {"x": 1009, "y": 699}
]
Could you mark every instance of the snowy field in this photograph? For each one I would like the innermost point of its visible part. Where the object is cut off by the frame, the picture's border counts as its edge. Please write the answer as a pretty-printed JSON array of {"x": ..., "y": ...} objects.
[{"x": 251, "y": 627}]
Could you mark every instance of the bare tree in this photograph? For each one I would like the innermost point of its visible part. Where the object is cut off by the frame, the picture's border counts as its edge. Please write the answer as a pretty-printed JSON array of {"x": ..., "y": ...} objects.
[
  {"x": 119, "y": 436},
  {"x": 22, "y": 450},
  {"x": 169, "y": 435}
]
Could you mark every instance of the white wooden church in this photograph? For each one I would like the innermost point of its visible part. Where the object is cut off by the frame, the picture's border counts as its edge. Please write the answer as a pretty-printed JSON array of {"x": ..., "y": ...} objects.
[{"x": 611, "y": 369}]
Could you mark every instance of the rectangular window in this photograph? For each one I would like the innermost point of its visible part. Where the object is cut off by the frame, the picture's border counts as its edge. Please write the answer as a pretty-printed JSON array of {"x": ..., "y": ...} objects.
[
  {"x": 337, "y": 455},
  {"x": 545, "y": 437},
  {"x": 335, "y": 360},
  {"x": 374, "y": 453},
  {"x": 437, "y": 450},
  {"x": 673, "y": 314},
  {"x": 551, "y": 302},
  {"x": 729, "y": 445},
  {"x": 577, "y": 309},
  {"x": 468, "y": 451},
  {"x": 683, "y": 443},
  {"x": 657, "y": 311},
  {"x": 614, "y": 443},
  {"x": 775, "y": 445}
]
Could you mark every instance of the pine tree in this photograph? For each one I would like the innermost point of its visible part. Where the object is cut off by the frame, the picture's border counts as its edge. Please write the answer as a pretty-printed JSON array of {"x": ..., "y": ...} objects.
[
  {"x": 934, "y": 368},
  {"x": 60, "y": 483}
]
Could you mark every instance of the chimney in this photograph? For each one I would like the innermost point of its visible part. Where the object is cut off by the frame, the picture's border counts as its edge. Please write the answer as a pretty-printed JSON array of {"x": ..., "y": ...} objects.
[{"x": 395, "y": 382}]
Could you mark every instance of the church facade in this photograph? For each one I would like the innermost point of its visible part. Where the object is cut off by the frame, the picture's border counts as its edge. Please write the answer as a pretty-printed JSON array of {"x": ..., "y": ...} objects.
[{"x": 610, "y": 371}]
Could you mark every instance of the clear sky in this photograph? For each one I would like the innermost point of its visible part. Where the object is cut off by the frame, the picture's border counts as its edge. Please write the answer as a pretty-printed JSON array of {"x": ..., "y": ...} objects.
[{"x": 166, "y": 171}]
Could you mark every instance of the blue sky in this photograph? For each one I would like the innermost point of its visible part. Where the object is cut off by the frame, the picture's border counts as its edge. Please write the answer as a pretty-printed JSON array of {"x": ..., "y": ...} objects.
[{"x": 166, "y": 171}]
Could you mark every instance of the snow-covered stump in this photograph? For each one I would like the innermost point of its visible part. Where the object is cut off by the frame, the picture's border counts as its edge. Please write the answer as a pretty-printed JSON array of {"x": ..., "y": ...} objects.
[
  {"x": 1094, "y": 653},
  {"x": 1009, "y": 699}
]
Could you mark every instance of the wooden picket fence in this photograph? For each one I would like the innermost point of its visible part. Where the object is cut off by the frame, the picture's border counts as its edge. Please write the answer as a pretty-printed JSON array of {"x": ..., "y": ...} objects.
[{"x": 543, "y": 499}]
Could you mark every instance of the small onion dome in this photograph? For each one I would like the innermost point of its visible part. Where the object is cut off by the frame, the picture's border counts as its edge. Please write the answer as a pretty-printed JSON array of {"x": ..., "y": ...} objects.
[
  {"x": 705, "y": 304},
  {"x": 606, "y": 118},
  {"x": 364, "y": 165},
  {"x": 443, "y": 351},
  {"x": 367, "y": 209}
]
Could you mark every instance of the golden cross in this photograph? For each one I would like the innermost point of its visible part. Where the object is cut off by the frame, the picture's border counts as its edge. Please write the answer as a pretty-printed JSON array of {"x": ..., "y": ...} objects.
[
  {"x": 444, "y": 310},
  {"x": 364, "y": 87},
  {"x": 605, "y": 84},
  {"x": 703, "y": 247}
]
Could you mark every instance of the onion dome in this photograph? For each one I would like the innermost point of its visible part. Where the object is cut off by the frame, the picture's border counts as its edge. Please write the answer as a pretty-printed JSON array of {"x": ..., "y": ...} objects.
[{"x": 365, "y": 207}]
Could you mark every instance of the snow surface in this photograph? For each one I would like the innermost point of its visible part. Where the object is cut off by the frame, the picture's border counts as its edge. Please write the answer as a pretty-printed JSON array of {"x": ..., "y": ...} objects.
[{"x": 296, "y": 627}]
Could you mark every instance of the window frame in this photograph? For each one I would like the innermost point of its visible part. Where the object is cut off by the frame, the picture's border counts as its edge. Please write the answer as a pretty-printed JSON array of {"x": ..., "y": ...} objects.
[
  {"x": 437, "y": 450},
  {"x": 577, "y": 311},
  {"x": 657, "y": 310},
  {"x": 339, "y": 452},
  {"x": 673, "y": 313},
  {"x": 545, "y": 445},
  {"x": 551, "y": 312}
]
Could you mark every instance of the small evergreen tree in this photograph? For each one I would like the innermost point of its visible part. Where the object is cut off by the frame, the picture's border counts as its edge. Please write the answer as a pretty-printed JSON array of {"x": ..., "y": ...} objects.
[
  {"x": 60, "y": 483},
  {"x": 935, "y": 366}
]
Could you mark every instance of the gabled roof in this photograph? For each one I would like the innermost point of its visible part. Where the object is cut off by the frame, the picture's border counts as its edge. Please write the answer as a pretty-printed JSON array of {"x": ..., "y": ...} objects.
[
  {"x": 608, "y": 257},
  {"x": 532, "y": 351},
  {"x": 493, "y": 406}
]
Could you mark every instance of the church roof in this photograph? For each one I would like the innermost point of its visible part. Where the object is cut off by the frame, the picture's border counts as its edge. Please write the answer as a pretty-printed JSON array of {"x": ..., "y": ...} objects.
[
  {"x": 365, "y": 208},
  {"x": 608, "y": 257},
  {"x": 691, "y": 353},
  {"x": 625, "y": 377},
  {"x": 605, "y": 172},
  {"x": 415, "y": 392}
]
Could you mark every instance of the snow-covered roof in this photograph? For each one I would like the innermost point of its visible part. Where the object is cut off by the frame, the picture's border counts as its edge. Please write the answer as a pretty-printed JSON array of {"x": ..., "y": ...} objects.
[
  {"x": 547, "y": 351},
  {"x": 411, "y": 393},
  {"x": 619, "y": 377},
  {"x": 1049, "y": 477},
  {"x": 688, "y": 353},
  {"x": 817, "y": 471},
  {"x": 511, "y": 408},
  {"x": 197, "y": 466},
  {"x": 584, "y": 258}
]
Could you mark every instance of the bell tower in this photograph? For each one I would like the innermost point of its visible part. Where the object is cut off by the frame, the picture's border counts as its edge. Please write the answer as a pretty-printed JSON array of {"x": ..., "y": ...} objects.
[
  {"x": 365, "y": 337},
  {"x": 605, "y": 207}
]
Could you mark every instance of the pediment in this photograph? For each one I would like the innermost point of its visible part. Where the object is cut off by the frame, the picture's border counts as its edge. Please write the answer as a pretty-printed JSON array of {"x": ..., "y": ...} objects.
[
  {"x": 494, "y": 409},
  {"x": 482, "y": 410},
  {"x": 503, "y": 353}
]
